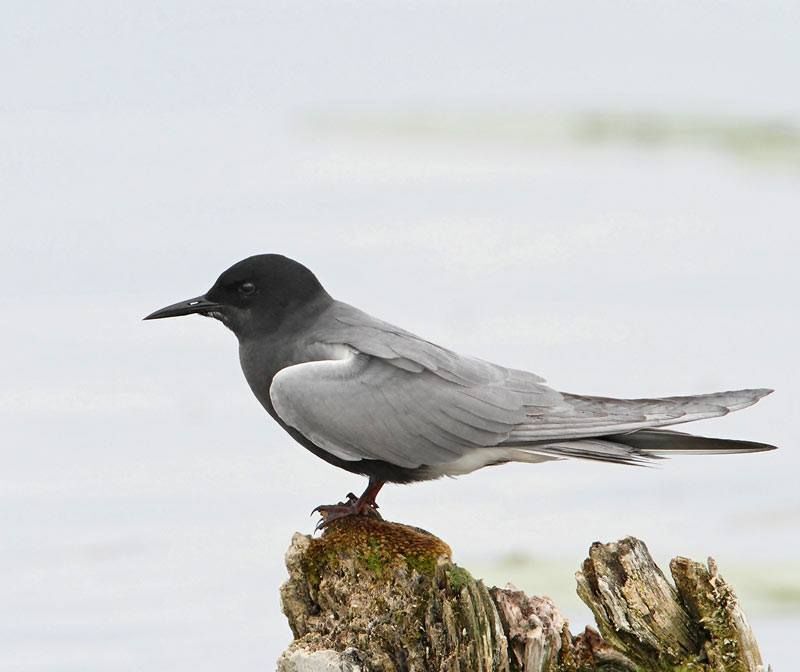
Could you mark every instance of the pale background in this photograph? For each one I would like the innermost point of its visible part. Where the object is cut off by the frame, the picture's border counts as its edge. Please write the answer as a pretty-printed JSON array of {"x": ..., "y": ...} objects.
[{"x": 607, "y": 193}]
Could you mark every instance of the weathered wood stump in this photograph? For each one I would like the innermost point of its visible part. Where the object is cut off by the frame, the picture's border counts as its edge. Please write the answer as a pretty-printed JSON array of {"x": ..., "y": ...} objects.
[{"x": 370, "y": 595}]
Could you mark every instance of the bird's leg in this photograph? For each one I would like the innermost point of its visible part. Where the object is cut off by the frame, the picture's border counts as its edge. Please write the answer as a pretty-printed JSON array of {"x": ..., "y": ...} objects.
[{"x": 353, "y": 506}]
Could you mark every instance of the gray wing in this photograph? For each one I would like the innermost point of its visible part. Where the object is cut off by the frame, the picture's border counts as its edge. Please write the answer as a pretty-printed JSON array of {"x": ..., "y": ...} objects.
[
  {"x": 362, "y": 407},
  {"x": 401, "y": 399},
  {"x": 344, "y": 324}
]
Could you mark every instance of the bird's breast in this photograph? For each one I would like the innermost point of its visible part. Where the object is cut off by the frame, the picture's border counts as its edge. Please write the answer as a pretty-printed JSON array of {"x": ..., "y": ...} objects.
[{"x": 261, "y": 360}]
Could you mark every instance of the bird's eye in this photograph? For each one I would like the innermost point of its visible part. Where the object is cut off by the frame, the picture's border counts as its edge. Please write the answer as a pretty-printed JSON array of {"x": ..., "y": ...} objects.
[{"x": 247, "y": 288}]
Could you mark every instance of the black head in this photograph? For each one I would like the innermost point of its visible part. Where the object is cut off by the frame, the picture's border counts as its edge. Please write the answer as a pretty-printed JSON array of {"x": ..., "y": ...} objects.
[{"x": 255, "y": 295}]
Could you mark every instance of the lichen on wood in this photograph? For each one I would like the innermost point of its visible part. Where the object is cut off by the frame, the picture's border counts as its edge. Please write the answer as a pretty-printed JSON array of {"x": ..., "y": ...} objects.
[
  {"x": 534, "y": 628},
  {"x": 392, "y": 593},
  {"x": 729, "y": 644},
  {"x": 635, "y": 607},
  {"x": 696, "y": 626},
  {"x": 374, "y": 596}
]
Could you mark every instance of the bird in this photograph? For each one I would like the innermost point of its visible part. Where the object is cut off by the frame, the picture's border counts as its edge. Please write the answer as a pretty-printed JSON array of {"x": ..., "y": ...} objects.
[{"x": 374, "y": 399}]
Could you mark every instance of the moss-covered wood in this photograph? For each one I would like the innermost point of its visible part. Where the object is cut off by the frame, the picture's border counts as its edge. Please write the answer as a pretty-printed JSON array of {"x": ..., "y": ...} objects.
[
  {"x": 391, "y": 593},
  {"x": 375, "y": 596},
  {"x": 696, "y": 626},
  {"x": 728, "y": 642}
]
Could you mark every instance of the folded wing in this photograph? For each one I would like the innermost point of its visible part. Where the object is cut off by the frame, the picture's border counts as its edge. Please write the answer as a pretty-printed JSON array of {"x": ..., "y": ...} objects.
[
  {"x": 362, "y": 407},
  {"x": 398, "y": 398}
]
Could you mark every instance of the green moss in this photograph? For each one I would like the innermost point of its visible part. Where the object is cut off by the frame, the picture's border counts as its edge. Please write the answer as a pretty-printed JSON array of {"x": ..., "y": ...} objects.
[
  {"x": 422, "y": 564},
  {"x": 458, "y": 578},
  {"x": 313, "y": 565},
  {"x": 375, "y": 558},
  {"x": 378, "y": 548}
]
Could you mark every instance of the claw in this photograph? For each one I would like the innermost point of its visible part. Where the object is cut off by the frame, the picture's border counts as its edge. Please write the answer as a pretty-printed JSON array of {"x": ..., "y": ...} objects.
[
  {"x": 351, "y": 502},
  {"x": 352, "y": 506}
]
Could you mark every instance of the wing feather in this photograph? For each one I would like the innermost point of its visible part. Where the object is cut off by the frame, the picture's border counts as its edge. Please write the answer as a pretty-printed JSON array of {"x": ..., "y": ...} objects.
[
  {"x": 395, "y": 397},
  {"x": 345, "y": 324},
  {"x": 362, "y": 407}
]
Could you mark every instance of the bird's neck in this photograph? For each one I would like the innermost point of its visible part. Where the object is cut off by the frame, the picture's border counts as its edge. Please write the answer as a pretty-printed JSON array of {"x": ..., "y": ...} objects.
[{"x": 265, "y": 352}]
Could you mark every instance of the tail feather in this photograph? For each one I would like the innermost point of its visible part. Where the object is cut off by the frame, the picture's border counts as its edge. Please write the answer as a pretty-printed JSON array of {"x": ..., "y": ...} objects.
[
  {"x": 588, "y": 417},
  {"x": 598, "y": 450},
  {"x": 628, "y": 431},
  {"x": 664, "y": 442},
  {"x": 638, "y": 448}
]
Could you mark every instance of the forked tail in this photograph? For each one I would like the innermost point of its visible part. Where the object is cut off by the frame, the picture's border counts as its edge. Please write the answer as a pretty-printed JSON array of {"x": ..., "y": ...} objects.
[{"x": 628, "y": 431}]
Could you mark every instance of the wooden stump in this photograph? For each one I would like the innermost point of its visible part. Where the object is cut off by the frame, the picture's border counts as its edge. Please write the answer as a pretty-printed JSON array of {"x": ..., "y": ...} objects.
[
  {"x": 698, "y": 625},
  {"x": 370, "y": 595},
  {"x": 389, "y": 596}
]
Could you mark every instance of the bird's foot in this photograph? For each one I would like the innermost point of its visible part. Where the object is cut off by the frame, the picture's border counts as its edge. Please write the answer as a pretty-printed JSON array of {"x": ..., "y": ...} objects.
[{"x": 352, "y": 506}]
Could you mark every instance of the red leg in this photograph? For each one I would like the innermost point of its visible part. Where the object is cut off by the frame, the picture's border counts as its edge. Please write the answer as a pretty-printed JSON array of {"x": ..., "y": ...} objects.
[
  {"x": 354, "y": 506},
  {"x": 367, "y": 498}
]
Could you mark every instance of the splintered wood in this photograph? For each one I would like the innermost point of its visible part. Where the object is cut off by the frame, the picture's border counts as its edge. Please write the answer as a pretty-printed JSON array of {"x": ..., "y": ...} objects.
[{"x": 375, "y": 596}]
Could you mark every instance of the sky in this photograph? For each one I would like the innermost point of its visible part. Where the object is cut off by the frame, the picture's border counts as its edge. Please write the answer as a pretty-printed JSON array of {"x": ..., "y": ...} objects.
[{"x": 408, "y": 153}]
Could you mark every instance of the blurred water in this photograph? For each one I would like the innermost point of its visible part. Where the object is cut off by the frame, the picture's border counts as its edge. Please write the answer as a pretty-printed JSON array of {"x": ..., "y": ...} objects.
[{"x": 147, "y": 500}]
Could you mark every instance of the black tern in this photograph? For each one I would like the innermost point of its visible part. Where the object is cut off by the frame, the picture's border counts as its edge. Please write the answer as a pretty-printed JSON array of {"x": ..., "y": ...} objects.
[{"x": 377, "y": 400}]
